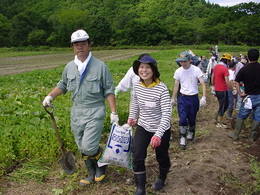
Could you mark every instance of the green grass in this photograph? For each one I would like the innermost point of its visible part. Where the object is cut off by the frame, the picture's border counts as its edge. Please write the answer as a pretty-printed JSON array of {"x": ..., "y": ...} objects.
[{"x": 26, "y": 132}]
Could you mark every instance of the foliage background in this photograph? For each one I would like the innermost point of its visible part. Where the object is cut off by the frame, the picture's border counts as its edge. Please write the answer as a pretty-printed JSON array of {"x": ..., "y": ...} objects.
[{"x": 128, "y": 22}]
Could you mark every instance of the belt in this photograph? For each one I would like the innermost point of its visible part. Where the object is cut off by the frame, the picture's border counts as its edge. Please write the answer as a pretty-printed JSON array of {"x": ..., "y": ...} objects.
[{"x": 188, "y": 95}]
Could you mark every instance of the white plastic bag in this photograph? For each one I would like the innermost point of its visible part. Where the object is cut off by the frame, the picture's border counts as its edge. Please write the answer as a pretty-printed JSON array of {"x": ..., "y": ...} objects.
[
  {"x": 118, "y": 150},
  {"x": 205, "y": 77},
  {"x": 248, "y": 103}
]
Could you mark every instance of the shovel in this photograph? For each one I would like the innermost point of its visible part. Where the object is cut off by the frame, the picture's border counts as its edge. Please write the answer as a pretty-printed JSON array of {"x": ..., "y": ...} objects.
[{"x": 67, "y": 161}]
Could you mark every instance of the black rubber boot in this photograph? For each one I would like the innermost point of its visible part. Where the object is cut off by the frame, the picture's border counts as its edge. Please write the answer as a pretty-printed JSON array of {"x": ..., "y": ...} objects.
[
  {"x": 160, "y": 181},
  {"x": 191, "y": 133},
  {"x": 100, "y": 171},
  {"x": 229, "y": 113},
  {"x": 182, "y": 135},
  {"x": 253, "y": 131},
  {"x": 91, "y": 167},
  {"x": 235, "y": 135},
  {"x": 140, "y": 180}
]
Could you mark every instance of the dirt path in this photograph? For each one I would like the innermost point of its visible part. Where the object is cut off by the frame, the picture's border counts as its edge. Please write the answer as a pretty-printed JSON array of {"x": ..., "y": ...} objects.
[
  {"x": 14, "y": 65},
  {"x": 212, "y": 164}
]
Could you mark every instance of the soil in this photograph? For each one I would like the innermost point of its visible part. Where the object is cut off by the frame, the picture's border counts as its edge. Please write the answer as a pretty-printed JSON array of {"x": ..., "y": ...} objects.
[
  {"x": 14, "y": 65},
  {"x": 212, "y": 163}
]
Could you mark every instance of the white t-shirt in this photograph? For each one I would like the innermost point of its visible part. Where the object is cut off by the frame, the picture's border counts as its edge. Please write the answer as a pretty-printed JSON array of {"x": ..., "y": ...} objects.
[
  {"x": 239, "y": 65},
  {"x": 188, "y": 79},
  {"x": 231, "y": 76}
]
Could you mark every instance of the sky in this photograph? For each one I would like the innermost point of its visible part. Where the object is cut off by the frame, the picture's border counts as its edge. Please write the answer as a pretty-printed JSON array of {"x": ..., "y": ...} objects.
[{"x": 231, "y": 2}]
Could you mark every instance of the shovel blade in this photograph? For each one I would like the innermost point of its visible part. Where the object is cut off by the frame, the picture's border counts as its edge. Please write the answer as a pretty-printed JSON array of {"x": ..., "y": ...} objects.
[{"x": 67, "y": 163}]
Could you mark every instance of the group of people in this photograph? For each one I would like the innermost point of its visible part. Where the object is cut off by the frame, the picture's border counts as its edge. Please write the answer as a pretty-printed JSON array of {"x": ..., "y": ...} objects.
[{"x": 91, "y": 83}]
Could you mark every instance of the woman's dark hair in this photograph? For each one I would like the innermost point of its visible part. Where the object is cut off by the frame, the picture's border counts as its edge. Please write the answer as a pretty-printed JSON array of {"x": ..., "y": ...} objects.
[
  {"x": 156, "y": 73},
  {"x": 224, "y": 60},
  {"x": 232, "y": 64}
]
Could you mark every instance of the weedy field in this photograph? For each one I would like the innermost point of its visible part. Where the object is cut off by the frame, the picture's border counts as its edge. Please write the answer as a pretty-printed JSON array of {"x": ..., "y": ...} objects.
[{"x": 212, "y": 164}]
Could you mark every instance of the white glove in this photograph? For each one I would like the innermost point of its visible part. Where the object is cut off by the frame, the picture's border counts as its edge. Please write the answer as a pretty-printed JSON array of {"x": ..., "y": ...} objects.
[
  {"x": 213, "y": 90},
  {"x": 114, "y": 118},
  {"x": 47, "y": 102},
  {"x": 203, "y": 101},
  {"x": 234, "y": 92},
  {"x": 173, "y": 103},
  {"x": 116, "y": 92},
  {"x": 126, "y": 126}
]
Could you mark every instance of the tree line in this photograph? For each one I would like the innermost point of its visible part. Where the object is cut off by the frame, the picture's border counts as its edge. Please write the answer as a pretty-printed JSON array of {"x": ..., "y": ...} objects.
[{"x": 128, "y": 22}]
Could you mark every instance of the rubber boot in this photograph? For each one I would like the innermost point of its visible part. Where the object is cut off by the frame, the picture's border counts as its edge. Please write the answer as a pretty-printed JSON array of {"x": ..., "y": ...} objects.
[
  {"x": 229, "y": 116},
  {"x": 140, "y": 180},
  {"x": 229, "y": 113},
  {"x": 216, "y": 119},
  {"x": 191, "y": 133},
  {"x": 100, "y": 171},
  {"x": 253, "y": 131},
  {"x": 91, "y": 167},
  {"x": 238, "y": 127},
  {"x": 160, "y": 181},
  {"x": 182, "y": 135}
]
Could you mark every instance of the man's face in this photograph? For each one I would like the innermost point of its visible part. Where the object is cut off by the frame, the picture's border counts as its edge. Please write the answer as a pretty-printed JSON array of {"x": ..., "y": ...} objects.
[
  {"x": 81, "y": 49},
  {"x": 185, "y": 64}
]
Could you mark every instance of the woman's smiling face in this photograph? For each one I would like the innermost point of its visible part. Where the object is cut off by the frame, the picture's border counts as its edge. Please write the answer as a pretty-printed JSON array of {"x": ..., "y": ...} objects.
[{"x": 145, "y": 72}]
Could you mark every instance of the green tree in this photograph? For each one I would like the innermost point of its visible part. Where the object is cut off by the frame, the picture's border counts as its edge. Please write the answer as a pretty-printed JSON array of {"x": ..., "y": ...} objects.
[
  {"x": 66, "y": 22},
  {"x": 100, "y": 31},
  {"x": 37, "y": 37},
  {"x": 25, "y": 23},
  {"x": 5, "y": 27},
  {"x": 144, "y": 31}
]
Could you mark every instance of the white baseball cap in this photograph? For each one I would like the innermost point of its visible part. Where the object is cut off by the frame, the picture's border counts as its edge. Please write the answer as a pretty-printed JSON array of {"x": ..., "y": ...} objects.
[{"x": 79, "y": 35}]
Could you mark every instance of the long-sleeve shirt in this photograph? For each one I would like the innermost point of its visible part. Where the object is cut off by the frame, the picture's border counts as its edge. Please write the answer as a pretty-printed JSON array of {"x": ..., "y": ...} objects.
[
  {"x": 95, "y": 86},
  {"x": 128, "y": 82},
  {"x": 154, "y": 107}
]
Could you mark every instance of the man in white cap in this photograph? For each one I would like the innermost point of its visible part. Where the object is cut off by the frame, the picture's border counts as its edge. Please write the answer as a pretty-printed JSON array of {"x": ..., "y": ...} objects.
[{"x": 90, "y": 82}]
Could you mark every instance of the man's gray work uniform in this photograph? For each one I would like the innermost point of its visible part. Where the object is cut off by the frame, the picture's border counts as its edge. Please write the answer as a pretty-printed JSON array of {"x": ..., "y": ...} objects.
[{"x": 88, "y": 111}]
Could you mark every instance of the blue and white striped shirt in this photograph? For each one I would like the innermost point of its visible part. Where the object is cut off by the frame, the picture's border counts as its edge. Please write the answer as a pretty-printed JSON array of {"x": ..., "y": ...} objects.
[{"x": 153, "y": 106}]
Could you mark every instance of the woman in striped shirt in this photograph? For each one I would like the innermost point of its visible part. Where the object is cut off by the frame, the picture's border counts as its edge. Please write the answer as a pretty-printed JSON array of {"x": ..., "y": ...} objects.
[{"x": 151, "y": 100}]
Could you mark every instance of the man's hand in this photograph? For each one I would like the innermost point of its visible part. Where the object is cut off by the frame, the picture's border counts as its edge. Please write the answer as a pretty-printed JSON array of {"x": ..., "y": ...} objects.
[
  {"x": 116, "y": 92},
  {"x": 47, "y": 102},
  {"x": 155, "y": 142},
  {"x": 173, "y": 102},
  {"x": 114, "y": 118},
  {"x": 203, "y": 101}
]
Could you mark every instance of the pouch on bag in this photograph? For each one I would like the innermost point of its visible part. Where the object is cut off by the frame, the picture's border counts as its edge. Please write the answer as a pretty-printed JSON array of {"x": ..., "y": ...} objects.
[{"x": 118, "y": 150}]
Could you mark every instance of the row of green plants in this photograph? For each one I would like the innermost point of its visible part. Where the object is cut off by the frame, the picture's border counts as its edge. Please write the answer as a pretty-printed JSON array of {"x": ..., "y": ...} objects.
[
  {"x": 40, "y": 50},
  {"x": 26, "y": 132}
]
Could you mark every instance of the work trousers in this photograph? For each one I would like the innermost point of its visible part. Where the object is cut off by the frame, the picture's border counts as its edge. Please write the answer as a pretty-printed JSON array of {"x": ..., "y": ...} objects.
[
  {"x": 223, "y": 102},
  {"x": 141, "y": 141},
  {"x": 188, "y": 107}
]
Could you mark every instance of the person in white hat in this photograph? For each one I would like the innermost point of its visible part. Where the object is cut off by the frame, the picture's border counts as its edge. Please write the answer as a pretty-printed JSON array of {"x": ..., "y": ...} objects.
[
  {"x": 211, "y": 64},
  {"x": 90, "y": 82},
  {"x": 186, "y": 82}
]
